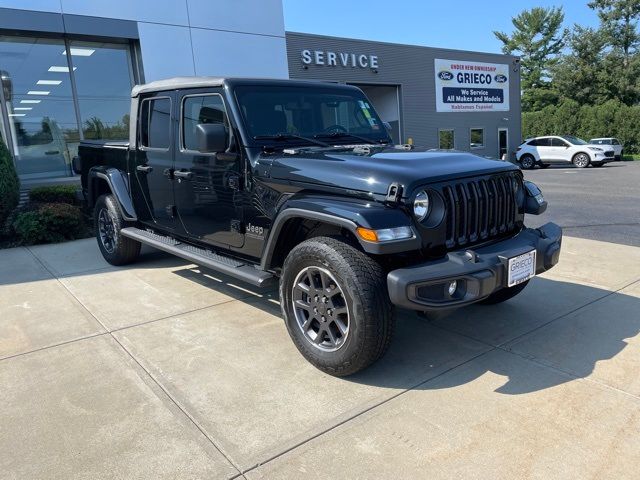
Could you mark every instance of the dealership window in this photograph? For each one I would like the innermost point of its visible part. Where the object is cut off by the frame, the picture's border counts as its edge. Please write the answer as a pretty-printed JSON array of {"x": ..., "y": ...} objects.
[
  {"x": 155, "y": 123},
  {"x": 477, "y": 138},
  {"x": 446, "y": 139},
  {"x": 57, "y": 92},
  {"x": 104, "y": 78}
]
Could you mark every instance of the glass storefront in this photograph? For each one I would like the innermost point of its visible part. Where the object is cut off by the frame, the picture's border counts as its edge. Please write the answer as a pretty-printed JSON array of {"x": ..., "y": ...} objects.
[{"x": 57, "y": 92}]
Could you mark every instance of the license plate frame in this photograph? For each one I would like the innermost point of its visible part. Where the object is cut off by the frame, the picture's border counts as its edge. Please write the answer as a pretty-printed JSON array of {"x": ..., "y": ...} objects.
[{"x": 521, "y": 268}]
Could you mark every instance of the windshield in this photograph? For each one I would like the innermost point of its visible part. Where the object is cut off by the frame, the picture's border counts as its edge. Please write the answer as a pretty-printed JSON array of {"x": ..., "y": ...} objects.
[
  {"x": 311, "y": 112},
  {"x": 575, "y": 140}
]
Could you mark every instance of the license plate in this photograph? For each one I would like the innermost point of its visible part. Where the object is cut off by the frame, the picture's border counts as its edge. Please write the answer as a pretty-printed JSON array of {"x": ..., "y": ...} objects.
[{"x": 521, "y": 268}]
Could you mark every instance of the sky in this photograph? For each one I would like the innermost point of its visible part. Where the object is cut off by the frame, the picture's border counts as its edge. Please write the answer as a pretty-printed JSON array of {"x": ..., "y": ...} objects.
[{"x": 456, "y": 24}]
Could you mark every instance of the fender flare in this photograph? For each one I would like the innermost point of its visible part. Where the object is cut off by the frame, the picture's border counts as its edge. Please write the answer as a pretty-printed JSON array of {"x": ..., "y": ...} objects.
[
  {"x": 343, "y": 214},
  {"x": 118, "y": 183}
]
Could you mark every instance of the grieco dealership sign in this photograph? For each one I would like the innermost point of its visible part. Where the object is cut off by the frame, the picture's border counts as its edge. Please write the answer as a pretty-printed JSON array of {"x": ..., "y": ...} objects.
[
  {"x": 471, "y": 86},
  {"x": 338, "y": 59}
]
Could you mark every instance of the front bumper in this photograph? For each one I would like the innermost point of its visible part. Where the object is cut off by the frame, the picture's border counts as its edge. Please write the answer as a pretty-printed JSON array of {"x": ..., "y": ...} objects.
[{"x": 478, "y": 272}]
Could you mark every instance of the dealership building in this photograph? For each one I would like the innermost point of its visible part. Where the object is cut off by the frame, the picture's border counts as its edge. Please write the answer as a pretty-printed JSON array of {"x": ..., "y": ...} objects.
[{"x": 67, "y": 67}]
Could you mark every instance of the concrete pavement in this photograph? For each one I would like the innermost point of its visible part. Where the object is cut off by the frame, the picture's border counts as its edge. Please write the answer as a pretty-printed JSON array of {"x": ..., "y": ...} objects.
[{"x": 164, "y": 370}]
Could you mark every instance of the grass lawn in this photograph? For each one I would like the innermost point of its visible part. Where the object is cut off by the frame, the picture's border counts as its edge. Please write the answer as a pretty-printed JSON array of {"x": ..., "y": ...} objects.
[{"x": 632, "y": 156}]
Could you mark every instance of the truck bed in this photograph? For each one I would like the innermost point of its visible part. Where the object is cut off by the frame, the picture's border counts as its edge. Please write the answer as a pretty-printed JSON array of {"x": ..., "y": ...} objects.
[{"x": 92, "y": 153}]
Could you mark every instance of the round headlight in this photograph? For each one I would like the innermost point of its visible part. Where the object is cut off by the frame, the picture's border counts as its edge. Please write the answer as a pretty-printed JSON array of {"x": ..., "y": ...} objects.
[{"x": 421, "y": 206}]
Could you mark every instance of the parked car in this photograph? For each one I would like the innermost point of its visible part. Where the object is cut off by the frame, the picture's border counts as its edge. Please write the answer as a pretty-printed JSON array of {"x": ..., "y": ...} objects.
[
  {"x": 610, "y": 143},
  {"x": 298, "y": 182},
  {"x": 561, "y": 150}
]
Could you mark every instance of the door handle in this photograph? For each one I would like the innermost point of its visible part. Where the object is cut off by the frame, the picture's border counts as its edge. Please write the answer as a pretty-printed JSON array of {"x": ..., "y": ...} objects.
[
  {"x": 144, "y": 168},
  {"x": 181, "y": 174}
]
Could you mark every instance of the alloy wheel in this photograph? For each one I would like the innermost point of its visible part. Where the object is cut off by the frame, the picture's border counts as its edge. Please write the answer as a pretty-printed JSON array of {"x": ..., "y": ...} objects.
[
  {"x": 106, "y": 231},
  {"x": 581, "y": 160},
  {"x": 320, "y": 308},
  {"x": 527, "y": 162}
]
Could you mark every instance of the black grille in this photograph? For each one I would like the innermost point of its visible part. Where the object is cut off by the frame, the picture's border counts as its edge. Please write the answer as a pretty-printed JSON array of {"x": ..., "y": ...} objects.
[
  {"x": 609, "y": 153},
  {"x": 479, "y": 209}
]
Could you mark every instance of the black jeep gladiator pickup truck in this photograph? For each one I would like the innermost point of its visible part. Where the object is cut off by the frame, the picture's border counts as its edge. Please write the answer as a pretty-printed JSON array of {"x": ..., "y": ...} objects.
[{"x": 298, "y": 183}]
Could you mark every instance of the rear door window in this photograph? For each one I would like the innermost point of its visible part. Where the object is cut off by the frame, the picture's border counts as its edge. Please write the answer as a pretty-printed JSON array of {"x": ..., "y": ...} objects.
[
  {"x": 155, "y": 123},
  {"x": 540, "y": 142}
]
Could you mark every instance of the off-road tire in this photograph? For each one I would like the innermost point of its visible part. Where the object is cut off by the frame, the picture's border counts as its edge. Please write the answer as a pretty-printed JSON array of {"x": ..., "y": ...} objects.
[
  {"x": 527, "y": 162},
  {"x": 363, "y": 284},
  {"x": 121, "y": 250},
  {"x": 504, "y": 294},
  {"x": 581, "y": 160}
]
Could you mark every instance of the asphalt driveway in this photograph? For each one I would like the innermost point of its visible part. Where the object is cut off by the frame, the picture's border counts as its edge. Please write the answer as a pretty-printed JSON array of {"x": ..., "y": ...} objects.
[
  {"x": 164, "y": 370},
  {"x": 595, "y": 203}
]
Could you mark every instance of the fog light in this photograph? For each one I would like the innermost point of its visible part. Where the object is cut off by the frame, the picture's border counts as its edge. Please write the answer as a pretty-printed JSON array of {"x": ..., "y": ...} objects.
[{"x": 453, "y": 286}]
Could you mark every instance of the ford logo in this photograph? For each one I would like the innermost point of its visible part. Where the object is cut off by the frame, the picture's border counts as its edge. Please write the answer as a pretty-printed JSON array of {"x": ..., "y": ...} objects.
[
  {"x": 445, "y": 75},
  {"x": 500, "y": 78}
]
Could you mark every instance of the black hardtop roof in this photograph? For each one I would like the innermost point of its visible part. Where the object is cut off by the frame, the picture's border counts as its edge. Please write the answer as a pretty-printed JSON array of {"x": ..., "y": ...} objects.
[{"x": 179, "y": 83}]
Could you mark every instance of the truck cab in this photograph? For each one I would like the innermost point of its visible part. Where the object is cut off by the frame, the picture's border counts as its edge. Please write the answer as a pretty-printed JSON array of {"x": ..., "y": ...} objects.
[{"x": 298, "y": 184}]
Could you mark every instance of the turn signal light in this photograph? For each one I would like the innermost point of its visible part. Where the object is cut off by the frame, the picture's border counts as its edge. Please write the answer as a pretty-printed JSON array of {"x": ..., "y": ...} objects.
[
  {"x": 367, "y": 234},
  {"x": 385, "y": 234}
]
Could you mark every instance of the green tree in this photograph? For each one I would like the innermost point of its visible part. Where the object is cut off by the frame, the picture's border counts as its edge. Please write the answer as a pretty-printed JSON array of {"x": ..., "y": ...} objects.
[
  {"x": 618, "y": 24},
  {"x": 578, "y": 74},
  {"x": 538, "y": 38}
]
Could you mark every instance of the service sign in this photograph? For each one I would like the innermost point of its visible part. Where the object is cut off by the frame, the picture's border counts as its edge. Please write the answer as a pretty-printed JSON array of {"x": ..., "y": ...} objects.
[{"x": 471, "y": 86}]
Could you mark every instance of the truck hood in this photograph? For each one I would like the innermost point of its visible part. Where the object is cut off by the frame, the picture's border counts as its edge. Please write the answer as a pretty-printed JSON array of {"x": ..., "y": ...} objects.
[{"x": 374, "y": 170}]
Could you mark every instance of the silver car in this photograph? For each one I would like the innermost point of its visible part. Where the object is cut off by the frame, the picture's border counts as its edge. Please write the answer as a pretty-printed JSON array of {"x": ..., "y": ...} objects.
[{"x": 614, "y": 143}]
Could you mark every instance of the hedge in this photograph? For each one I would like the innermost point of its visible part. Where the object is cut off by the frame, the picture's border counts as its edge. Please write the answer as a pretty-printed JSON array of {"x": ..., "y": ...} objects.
[
  {"x": 55, "y": 194},
  {"x": 9, "y": 185},
  {"x": 611, "y": 119},
  {"x": 48, "y": 223}
]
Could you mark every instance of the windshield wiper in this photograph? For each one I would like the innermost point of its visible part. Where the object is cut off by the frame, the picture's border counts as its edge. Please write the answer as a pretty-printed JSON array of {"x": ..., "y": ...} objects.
[
  {"x": 350, "y": 135},
  {"x": 290, "y": 136}
]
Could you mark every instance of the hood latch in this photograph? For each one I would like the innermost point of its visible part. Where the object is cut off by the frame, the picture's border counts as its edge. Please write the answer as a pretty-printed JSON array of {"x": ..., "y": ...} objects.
[{"x": 394, "y": 194}]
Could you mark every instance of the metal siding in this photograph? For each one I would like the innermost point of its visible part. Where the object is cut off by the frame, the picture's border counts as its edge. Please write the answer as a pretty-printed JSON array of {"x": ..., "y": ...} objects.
[{"x": 412, "y": 68}]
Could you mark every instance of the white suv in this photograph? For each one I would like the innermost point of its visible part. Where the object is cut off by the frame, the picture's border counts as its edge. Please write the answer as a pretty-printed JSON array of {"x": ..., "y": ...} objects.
[
  {"x": 610, "y": 143},
  {"x": 545, "y": 151}
]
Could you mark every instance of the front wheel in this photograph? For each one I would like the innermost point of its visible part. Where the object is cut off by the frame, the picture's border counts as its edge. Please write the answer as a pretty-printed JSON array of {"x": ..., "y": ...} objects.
[
  {"x": 335, "y": 304},
  {"x": 116, "y": 248},
  {"x": 504, "y": 294},
  {"x": 581, "y": 160}
]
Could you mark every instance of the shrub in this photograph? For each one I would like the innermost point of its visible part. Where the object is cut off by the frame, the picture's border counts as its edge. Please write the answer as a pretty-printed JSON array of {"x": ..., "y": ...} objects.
[
  {"x": 9, "y": 185},
  {"x": 54, "y": 194},
  {"x": 49, "y": 223}
]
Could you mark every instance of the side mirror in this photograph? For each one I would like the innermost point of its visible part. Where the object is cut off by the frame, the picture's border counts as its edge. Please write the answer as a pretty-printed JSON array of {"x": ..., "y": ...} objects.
[
  {"x": 535, "y": 204},
  {"x": 211, "y": 137}
]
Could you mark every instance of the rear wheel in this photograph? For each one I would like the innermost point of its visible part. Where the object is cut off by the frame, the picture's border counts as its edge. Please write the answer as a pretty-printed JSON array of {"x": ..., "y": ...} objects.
[
  {"x": 116, "y": 248},
  {"x": 527, "y": 162},
  {"x": 581, "y": 160},
  {"x": 504, "y": 294},
  {"x": 335, "y": 305}
]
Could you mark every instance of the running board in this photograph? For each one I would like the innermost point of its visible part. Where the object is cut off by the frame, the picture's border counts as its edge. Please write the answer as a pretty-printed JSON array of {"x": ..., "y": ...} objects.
[{"x": 244, "y": 271}]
